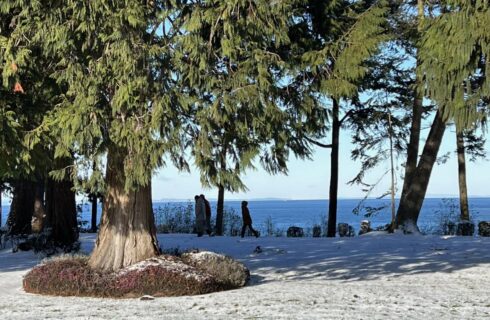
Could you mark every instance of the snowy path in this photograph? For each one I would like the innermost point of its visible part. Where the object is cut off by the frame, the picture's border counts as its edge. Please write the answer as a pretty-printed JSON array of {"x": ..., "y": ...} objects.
[{"x": 369, "y": 277}]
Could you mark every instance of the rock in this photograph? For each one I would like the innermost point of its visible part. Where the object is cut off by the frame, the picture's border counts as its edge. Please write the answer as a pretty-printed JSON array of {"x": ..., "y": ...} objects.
[
  {"x": 450, "y": 228},
  {"x": 295, "y": 232},
  {"x": 345, "y": 230},
  {"x": 317, "y": 231},
  {"x": 385, "y": 227},
  {"x": 484, "y": 229},
  {"x": 365, "y": 227},
  {"x": 465, "y": 228},
  {"x": 147, "y": 298},
  {"x": 24, "y": 246},
  {"x": 227, "y": 271}
]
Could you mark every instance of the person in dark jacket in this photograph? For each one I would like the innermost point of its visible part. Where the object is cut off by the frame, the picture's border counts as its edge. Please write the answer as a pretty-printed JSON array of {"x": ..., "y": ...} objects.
[
  {"x": 208, "y": 216},
  {"x": 200, "y": 210},
  {"x": 247, "y": 220}
]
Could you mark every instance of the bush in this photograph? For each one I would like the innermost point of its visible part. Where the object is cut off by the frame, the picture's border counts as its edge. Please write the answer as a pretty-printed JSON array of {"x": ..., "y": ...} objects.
[
  {"x": 295, "y": 232},
  {"x": 232, "y": 222},
  {"x": 447, "y": 217},
  {"x": 175, "y": 218},
  {"x": 271, "y": 230},
  {"x": 227, "y": 271},
  {"x": 160, "y": 276},
  {"x": 180, "y": 218}
]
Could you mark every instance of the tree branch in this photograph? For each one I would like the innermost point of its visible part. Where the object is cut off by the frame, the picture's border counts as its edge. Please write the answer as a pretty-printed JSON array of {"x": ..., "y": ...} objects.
[{"x": 322, "y": 145}]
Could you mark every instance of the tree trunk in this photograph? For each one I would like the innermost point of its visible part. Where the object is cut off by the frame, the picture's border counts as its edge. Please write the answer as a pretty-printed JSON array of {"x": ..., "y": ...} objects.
[
  {"x": 220, "y": 206},
  {"x": 418, "y": 96},
  {"x": 22, "y": 207},
  {"x": 93, "y": 225},
  {"x": 392, "y": 169},
  {"x": 463, "y": 191},
  {"x": 220, "y": 209},
  {"x": 411, "y": 201},
  {"x": 334, "y": 171},
  {"x": 127, "y": 232},
  {"x": 1, "y": 207},
  {"x": 62, "y": 212},
  {"x": 37, "y": 223}
]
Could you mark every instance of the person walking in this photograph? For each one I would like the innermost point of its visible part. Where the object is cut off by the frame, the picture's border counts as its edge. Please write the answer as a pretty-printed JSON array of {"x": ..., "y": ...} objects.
[
  {"x": 208, "y": 216},
  {"x": 200, "y": 210},
  {"x": 247, "y": 220}
]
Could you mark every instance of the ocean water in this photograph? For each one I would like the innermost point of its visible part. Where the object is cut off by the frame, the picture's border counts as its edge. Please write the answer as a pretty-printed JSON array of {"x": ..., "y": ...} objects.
[{"x": 306, "y": 213}]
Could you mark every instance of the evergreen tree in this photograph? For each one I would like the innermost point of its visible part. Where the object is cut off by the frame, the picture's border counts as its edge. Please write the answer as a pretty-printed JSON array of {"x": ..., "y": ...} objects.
[
  {"x": 24, "y": 99},
  {"x": 337, "y": 38},
  {"x": 456, "y": 55},
  {"x": 452, "y": 53},
  {"x": 386, "y": 105},
  {"x": 242, "y": 92},
  {"x": 113, "y": 63}
]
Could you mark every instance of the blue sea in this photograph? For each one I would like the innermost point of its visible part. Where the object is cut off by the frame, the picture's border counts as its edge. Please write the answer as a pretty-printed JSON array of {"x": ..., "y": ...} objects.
[{"x": 306, "y": 213}]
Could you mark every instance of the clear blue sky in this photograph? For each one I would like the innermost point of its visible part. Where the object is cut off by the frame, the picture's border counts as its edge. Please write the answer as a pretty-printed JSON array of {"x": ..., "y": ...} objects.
[{"x": 310, "y": 179}]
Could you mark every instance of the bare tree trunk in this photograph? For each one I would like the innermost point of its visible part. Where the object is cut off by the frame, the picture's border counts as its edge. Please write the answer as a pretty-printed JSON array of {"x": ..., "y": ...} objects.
[
  {"x": 418, "y": 96},
  {"x": 22, "y": 207},
  {"x": 93, "y": 225},
  {"x": 463, "y": 191},
  {"x": 62, "y": 212},
  {"x": 220, "y": 210},
  {"x": 392, "y": 167},
  {"x": 334, "y": 171},
  {"x": 220, "y": 206},
  {"x": 1, "y": 206},
  {"x": 412, "y": 200},
  {"x": 37, "y": 223},
  {"x": 127, "y": 231}
]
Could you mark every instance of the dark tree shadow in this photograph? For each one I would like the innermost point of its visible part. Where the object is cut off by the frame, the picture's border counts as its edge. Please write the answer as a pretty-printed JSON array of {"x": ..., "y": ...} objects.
[{"x": 354, "y": 259}]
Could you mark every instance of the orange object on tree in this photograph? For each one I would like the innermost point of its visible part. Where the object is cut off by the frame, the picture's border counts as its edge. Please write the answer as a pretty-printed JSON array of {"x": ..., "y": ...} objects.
[{"x": 18, "y": 88}]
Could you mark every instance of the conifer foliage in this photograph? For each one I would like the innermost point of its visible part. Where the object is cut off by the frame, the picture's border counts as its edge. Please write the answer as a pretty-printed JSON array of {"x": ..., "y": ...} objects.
[
  {"x": 456, "y": 51},
  {"x": 112, "y": 61},
  {"x": 239, "y": 85}
]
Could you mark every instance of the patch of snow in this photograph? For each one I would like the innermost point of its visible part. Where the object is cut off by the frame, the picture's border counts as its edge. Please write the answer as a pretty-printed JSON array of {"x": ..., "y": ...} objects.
[
  {"x": 382, "y": 276},
  {"x": 167, "y": 264}
]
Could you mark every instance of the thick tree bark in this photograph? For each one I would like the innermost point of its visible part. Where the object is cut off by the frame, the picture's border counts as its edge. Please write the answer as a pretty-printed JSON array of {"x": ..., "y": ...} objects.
[
  {"x": 334, "y": 171},
  {"x": 411, "y": 201},
  {"x": 463, "y": 190},
  {"x": 127, "y": 232},
  {"x": 22, "y": 207},
  {"x": 37, "y": 223},
  {"x": 62, "y": 212},
  {"x": 93, "y": 224}
]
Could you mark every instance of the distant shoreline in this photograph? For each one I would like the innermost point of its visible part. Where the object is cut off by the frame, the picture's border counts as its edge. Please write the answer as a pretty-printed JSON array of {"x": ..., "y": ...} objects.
[
  {"x": 7, "y": 201},
  {"x": 286, "y": 199}
]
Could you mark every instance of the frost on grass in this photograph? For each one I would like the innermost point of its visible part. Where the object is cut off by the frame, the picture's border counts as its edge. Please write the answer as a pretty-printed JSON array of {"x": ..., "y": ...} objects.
[{"x": 159, "y": 277}]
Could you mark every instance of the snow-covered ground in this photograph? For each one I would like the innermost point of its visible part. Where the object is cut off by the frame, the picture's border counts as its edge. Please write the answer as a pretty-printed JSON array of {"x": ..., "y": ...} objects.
[{"x": 375, "y": 276}]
